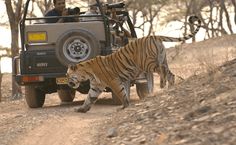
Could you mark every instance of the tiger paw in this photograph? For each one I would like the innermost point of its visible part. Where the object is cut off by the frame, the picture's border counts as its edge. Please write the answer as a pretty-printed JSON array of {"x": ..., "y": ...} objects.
[
  {"x": 82, "y": 109},
  {"x": 126, "y": 102},
  {"x": 122, "y": 108}
]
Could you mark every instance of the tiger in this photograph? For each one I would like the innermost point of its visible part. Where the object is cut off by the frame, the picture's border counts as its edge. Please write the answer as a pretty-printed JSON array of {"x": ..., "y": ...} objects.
[{"x": 146, "y": 54}]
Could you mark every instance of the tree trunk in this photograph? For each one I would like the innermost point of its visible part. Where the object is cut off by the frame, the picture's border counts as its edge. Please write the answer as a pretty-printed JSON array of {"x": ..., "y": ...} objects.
[
  {"x": 234, "y": 4},
  {"x": 14, "y": 9},
  {"x": 0, "y": 82},
  {"x": 222, "y": 5},
  {"x": 211, "y": 22},
  {"x": 1, "y": 85},
  {"x": 16, "y": 90}
]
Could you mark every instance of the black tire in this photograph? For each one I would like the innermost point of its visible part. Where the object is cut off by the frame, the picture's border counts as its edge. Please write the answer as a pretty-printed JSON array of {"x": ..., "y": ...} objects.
[
  {"x": 75, "y": 46},
  {"x": 66, "y": 95},
  {"x": 142, "y": 88},
  {"x": 34, "y": 96},
  {"x": 84, "y": 87}
]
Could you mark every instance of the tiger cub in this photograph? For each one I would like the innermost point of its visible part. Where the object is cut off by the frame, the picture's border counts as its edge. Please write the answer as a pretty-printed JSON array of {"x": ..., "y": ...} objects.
[{"x": 145, "y": 54}]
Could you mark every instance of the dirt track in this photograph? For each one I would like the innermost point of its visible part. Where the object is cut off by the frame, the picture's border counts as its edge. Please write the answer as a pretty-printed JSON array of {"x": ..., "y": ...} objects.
[{"x": 52, "y": 125}]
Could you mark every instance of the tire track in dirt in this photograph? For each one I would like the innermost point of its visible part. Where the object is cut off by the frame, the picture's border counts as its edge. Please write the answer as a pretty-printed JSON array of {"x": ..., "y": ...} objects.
[
  {"x": 70, "y": 128},
  {"x": 54, "y": 124}
]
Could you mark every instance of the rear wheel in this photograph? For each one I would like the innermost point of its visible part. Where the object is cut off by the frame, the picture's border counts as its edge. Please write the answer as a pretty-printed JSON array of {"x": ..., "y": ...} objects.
[
  {"x": 34, "y": 96},
  {"x": 66, "y": 95},
  {"x": 84, "y": 87},
  {"x": 145, "y": 88}
]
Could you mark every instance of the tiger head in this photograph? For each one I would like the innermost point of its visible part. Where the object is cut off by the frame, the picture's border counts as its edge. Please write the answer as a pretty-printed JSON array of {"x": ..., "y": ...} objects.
[{"x": 75, "y": 75}]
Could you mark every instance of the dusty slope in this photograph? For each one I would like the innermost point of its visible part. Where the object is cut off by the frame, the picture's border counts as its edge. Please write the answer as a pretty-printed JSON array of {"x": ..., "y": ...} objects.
[
  {"x": 188, "y": 59},
  {"x": 199, "y": 111}
]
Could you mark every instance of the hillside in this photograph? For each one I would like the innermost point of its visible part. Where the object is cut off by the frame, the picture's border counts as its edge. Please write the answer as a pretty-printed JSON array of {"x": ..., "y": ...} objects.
[
  {"x": 188, "y": 59},
  {"x": 198, "y": 111}
]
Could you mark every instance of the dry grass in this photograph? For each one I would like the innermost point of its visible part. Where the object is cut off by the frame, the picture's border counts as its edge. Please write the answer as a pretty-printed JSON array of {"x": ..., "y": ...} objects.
[
  {"x": 192, "y": 59},
  {"x": 6, "y": 87}
]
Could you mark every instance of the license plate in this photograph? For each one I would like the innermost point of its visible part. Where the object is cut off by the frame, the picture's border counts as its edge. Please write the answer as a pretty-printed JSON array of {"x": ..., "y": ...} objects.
[
  {"x": 37, "y": 36},
  {"x": 62, "y": 81}
]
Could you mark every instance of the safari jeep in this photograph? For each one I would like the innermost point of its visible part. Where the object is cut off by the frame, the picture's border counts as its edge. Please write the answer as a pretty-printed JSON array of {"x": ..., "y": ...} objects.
[{"x": 48, "y": 48}]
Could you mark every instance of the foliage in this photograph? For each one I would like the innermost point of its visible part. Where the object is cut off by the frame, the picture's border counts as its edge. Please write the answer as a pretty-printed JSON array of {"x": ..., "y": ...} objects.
[
  {"x": 215, "y": 14},
  {"x": 4, "y": 52},
  {"x": 145, "y": 13}
]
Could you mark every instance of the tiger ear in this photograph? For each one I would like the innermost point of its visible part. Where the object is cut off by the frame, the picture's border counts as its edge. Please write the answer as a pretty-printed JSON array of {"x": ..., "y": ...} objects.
[{"x": 73, "y": 67}]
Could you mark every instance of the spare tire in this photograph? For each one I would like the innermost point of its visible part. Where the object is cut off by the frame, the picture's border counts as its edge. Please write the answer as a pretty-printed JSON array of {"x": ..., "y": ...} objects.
[{"x": 75, "y": 46}]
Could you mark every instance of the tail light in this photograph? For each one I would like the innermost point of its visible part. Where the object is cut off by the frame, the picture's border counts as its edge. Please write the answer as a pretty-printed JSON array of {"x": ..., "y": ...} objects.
[{"x": 29, "y": 79}]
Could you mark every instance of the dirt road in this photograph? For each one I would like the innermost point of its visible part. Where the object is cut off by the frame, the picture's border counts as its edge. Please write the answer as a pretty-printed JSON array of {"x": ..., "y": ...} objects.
[{"x": 53, "y": 124}]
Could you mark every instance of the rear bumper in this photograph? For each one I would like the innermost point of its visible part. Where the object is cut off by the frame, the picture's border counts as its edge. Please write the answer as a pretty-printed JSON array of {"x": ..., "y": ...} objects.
[
  {"x": 37, "y": 78},
  {"x": 27, "y": 68}
]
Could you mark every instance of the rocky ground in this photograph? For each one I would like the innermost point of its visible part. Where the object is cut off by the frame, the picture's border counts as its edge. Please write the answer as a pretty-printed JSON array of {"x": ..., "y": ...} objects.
[{"x": 198, "y": 110}]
